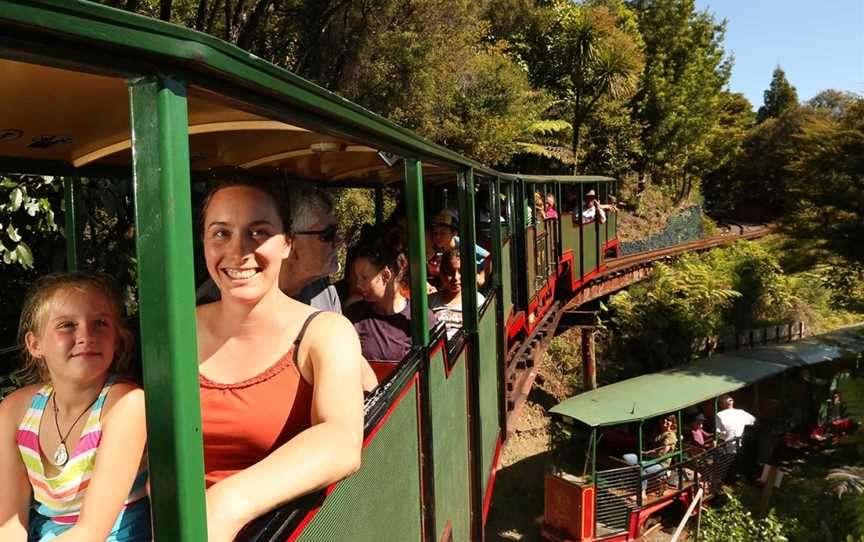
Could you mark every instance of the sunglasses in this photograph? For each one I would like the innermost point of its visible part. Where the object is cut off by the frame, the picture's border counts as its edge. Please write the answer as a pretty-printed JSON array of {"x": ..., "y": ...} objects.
[{"x": 327, "y": 235}]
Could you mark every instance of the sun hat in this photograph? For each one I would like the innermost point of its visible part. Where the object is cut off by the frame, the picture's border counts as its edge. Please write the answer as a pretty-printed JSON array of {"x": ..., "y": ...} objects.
[
  {"x": 591, "y": 193},
  {"x": 447, "y": 218}
]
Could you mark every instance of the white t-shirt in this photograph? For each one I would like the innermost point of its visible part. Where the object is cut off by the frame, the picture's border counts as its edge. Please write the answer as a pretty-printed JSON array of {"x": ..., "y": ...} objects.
[
  {"x": 731, "y": 422},
  {"x": 451, "y": 316},
  {"x": 590, "y": 213}
]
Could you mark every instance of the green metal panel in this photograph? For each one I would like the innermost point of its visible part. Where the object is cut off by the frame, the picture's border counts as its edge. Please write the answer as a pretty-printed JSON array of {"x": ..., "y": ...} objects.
[
  {"x": 570, "y": 241},
  {"x": 382, "y": 500},
  {"x": 468, "y": 241},
  {"x": 506, "y": 277},
  {"x": 703, "y": 379},
  {"x": 413, "y": 179},
  {"x": 163, "y": 218},
  {"x": 589, "y": 247},
  {"x": 487, "y": 369},
  {"x": 612, "y": 225},
  {"x": 530, "y": 262},
  {"x": 449, "y": 408},
  {"x": 72, "y": 230}
]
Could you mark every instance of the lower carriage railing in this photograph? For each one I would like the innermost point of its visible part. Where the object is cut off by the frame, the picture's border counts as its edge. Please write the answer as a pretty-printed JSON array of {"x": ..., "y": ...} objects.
[
  {"x": 616, "y": 491},
  {"x": 621, "y": 491}
]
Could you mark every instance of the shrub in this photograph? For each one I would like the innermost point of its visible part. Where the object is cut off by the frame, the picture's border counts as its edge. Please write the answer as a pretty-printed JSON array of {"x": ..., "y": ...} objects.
[{"x": 733, "y": 523}]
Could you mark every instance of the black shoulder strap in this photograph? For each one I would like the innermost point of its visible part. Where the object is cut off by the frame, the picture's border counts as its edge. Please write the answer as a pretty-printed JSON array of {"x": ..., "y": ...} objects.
[{"x": 303, "y": 332}]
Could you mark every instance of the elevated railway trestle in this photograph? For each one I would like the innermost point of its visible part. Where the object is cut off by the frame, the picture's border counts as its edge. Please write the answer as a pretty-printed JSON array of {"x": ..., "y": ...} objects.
[{"x": 565, "y": 314}]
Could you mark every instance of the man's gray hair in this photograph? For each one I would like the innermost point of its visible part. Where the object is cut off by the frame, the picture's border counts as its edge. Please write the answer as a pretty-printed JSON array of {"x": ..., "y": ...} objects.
[
  {"x": 308, "y": 203},
  {"x": 726, "y": 399}
]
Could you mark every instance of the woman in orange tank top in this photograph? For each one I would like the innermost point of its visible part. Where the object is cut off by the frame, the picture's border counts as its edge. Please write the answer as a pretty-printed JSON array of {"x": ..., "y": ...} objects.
[{"x": 281, "y": 394}]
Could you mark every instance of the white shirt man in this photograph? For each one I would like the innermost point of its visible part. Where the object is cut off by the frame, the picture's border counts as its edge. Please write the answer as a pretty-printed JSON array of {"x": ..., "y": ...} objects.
[{"x": 731, "y": 421}]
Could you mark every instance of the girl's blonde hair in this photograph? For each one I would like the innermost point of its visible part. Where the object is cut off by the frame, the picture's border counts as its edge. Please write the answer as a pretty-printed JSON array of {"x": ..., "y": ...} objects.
[{"x": 37, "y": 304}]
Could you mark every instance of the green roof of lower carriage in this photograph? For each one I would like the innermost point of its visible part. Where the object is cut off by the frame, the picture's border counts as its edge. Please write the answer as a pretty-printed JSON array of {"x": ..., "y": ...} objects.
[{"x": 673, "y": 389}]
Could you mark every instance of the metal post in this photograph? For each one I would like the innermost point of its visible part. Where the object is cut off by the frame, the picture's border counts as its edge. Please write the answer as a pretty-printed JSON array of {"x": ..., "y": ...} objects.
[
  {"x": 470, "y": 318},
  {"x": 163, "y": 217},
  {"x": 589, "y": 363},
  {"x": 72, "y": 216},
  {"x": 413, "y": 179}
]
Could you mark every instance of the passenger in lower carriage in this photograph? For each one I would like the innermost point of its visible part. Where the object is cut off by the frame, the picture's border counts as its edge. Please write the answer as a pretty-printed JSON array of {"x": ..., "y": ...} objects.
[
  {"x": 664, "y": 443},
  {"x": 383, "y": 318},
  {"x": 280, "y": 383},
  {"x": 61, "y": 437},
  {"x": 446, "y": 303}
]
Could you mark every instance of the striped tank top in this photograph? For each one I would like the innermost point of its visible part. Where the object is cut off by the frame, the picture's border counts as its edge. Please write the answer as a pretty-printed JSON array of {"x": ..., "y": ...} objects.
[{"x": 57, "y": 501}]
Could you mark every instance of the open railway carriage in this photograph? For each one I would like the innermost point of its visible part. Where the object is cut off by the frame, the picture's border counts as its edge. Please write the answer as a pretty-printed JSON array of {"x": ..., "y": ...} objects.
[
  {"x": 90, "y": 91},
  {"x": 552, "y": 258},
  {"x": 593, "y": 493}
]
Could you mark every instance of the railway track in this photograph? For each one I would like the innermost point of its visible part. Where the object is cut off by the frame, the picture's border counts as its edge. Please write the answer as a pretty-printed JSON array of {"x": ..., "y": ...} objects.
[{"x": 618, "y": 274}]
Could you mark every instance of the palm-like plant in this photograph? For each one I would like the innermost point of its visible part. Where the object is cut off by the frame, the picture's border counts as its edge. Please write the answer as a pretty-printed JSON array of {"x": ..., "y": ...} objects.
[
  {"x": 594, "y": 59},
  {"x": 846, "y": 480}
]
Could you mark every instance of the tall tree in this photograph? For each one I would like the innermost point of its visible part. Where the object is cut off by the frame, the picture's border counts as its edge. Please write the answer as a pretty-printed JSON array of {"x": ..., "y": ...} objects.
[
  {"x": 779, "y": 97},
  {"x": 678, "y": 101},
  {"x": 588, "y": 58},
  {"x": 827, "y": 185}
]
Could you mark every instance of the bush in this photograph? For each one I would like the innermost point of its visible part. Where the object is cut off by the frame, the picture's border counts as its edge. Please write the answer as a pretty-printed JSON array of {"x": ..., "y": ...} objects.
[{"x": 733, "y": 523}]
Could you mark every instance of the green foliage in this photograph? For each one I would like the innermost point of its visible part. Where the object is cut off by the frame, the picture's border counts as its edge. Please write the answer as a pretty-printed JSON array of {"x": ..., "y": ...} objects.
[
  {"x": 587, "y": 55},
  {"x": 26, "y": 215},
  {"x": 780, "y": 97},
  {"x": 826, "y": 189},
  {"x": 657, "y": 322},
  {"x": 678, "y": 101},
  {"x": 733, "y": 523}
]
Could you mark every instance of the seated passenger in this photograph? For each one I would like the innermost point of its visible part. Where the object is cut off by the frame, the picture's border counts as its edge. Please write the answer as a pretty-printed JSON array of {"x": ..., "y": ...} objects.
[
  {"x": 62, "y": 436},
  {"x": 280, "y": 382},
  {"x": 592, "y": 209},
  {"x": 383, "y": 318},
  {"x": 550, "y": 206},
  {"x": 698, "y": 435},
  {"x": 664, "y": 443},
  {"x": 445, "y": 229},
  {"x": 446, "y": 303}
]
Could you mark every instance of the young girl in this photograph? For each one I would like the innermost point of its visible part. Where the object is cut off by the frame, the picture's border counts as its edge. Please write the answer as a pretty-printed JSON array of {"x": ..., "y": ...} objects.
[
  {"x": 446, "y": 303},
  {"x": 72, "y": 446}
]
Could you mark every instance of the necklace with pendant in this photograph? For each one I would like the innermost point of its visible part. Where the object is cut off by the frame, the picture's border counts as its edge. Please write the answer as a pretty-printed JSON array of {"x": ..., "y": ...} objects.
[{"x": 61, "y": 454}]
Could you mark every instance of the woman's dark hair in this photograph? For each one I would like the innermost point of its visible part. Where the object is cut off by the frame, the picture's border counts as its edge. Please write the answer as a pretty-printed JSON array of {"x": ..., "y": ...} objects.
[
  {"x": 274, "y": 188},
  {"x": 383, "y": 247}
]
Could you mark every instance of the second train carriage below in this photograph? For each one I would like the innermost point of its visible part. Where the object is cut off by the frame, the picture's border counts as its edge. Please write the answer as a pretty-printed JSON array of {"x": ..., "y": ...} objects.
[{"x": 593, "y": 492}]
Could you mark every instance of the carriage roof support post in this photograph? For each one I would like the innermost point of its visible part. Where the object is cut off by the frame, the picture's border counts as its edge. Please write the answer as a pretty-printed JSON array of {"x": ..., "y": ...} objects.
[
  {"x": 72, "y": 219},
  {"x": 379, "y": 204},
  {"x": 470, "y": 319},
  {"x": 412, "y": 179},
  {"x": 413, "y": 193},
  {"x": 163, "y": 217}
]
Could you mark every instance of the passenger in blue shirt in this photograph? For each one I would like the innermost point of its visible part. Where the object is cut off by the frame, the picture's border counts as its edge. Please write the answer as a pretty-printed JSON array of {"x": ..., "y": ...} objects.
[{"x": 445, "y": 229}]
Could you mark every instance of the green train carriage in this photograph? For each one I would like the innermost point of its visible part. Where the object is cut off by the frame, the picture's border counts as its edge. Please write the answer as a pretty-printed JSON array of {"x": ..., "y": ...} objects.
[{"x": 90, "y": 91}]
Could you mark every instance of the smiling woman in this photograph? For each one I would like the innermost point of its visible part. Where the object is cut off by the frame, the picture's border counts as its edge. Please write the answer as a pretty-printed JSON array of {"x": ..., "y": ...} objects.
[{"x": 259, "y": 347}]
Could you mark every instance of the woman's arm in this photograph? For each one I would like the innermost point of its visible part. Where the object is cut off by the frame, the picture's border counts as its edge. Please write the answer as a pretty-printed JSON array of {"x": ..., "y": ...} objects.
[
  {"x": 324, "y": 453},
  {"x": 118, "y": 458},
  {"x": 16, "y": 492}
]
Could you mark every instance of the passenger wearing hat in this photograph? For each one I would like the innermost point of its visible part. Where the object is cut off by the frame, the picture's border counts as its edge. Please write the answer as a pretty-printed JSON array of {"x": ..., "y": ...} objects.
[
  {"x": 699, "y": 436},
  {"x": 592, "y": 209},
  {"x": 445, "y": 230}
]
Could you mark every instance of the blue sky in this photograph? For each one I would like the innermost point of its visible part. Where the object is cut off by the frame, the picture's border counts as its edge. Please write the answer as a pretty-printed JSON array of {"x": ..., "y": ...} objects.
[{"x": 819, "y": 45}]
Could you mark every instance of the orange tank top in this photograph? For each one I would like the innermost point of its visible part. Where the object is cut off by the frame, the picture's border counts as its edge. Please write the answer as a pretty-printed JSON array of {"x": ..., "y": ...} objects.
[{"x": 243, "y": 423}]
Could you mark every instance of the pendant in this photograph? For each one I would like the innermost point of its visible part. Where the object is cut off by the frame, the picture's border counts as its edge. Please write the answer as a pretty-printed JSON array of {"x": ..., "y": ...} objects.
[{"x": 61, "y": 455}]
